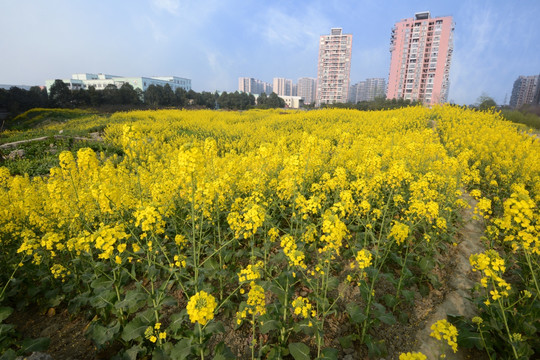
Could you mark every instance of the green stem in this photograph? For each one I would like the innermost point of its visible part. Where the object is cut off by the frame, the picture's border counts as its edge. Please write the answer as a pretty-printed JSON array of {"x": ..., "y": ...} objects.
[
  {"x": 483, "y": 341},
  {"x": 527, "y": 256},
  {"x": 499, "y": 301},
  {"x": 401, "y": 278},
  {"x": 201, "y": 341}
]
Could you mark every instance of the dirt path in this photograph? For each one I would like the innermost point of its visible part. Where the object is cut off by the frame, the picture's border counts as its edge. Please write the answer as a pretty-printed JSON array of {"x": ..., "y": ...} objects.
[{"x": 461, "y": 281}]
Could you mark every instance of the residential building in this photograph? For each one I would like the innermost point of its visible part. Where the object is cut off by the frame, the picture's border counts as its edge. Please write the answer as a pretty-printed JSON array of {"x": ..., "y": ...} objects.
[
  {"x": 293, "y": 102},
  {"x": 334, "y": 67},
  {"x": 367, "y": 90},
  {"x": 283, "y": 87},
  {"x": 526, "y": 90},
  {"x": 254, "y": 86},
  {"x": 421, "y": 52},
  {"x": 307, "y": 90},
  {"x": 101, "y": 81}
]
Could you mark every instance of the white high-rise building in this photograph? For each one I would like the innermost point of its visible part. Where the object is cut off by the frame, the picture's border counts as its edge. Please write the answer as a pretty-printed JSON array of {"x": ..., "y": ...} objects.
[
  {"x": 334, "y": 67},
  {"x": 307, "y": 90},
  {"x": 367, "y": 90},
  {"x": 253, "y": 86},
  {"x": 283, "y": 86}
]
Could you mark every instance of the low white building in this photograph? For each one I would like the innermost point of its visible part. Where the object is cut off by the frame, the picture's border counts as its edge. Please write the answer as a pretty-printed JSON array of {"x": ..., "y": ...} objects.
[
  {"x": 100, "y": 82},
  {"x": 293, "y": 102}
]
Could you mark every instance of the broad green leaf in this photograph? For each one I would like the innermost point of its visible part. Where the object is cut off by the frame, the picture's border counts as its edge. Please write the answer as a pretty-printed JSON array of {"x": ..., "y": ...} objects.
[
  {"x": 222, "y": 352},
  {"x": 268, "y": 326},
  {"x": 101, "y": 334},
  {"x": 31, "y": 345},
  {"x": 177, "y": 320},
  {"x": 299, "y": 351},
  {"x": 132, "y": 302},
  {"x": 356, "y": 313},
  {"x": 181, "y": 350},
  {"x": 134, "y": 329},
  {"x": 329, "y": 353},
  {"x": 5, "y": 312},
  {"x": 133, "y": 352}
]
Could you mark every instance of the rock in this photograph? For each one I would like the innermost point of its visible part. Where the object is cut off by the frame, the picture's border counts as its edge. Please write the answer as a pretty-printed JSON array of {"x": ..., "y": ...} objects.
[{"x": 16, "y": 154}]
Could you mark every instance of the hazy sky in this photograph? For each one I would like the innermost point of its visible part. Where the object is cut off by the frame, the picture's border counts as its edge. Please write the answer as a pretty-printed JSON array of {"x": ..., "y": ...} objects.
[{"x": 213, "y": 42}]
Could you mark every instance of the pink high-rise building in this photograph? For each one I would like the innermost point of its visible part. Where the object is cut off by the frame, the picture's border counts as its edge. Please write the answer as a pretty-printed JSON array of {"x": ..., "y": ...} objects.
[
  {"x": 421, "y": 49},
  {"x": 334, "y": 67}
]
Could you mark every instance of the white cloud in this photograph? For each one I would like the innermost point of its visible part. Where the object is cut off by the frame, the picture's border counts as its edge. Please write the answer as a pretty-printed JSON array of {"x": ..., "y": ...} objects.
[
  {"x": 170, "y": 6},
  {"x": 295, "y": 31}
]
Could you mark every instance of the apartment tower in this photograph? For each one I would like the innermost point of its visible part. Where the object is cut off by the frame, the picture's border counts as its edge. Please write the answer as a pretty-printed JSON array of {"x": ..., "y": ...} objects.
[
  {"x": 282, "y": 86},
  {"x": 367, "y": 90},
  {"x": 334, "y": 67},
  {"x": 253, "y": 86},
  {"x": 421, "y": 51},
  {"x": 526, "y": 90},
  {"x": 307, "y": 88}
]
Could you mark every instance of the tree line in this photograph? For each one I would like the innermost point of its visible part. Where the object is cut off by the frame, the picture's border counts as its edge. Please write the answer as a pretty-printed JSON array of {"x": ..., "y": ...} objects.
[{"x": 17, "y": 100}]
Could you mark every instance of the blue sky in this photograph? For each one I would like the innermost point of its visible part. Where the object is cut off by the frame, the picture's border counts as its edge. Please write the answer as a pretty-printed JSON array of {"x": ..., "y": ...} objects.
[{"x": 213, "y": 42}]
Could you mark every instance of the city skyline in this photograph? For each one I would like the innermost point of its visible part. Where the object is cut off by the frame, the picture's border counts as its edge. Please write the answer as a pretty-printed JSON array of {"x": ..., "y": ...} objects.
[{"x": 214, "y": 43}]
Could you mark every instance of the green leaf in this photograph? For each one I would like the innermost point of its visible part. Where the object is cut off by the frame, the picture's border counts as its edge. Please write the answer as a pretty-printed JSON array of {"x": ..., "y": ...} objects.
[
  {"x": 101, "y": 334},
  {"x": 390, "y": 300},
  {"x": 147, "y": 316},
  {"x": 376, "y": 348},
  {"x": 133, "y": 352},
  {"x": 181, "y": 350},
  {"x": 134, "y": 329},
  {"x": 132, "y": 302},
  {"x": 103, "y": 299},
  {"x": 9, "y": 355},
  {"x": 346, "y": 342},
  {"x": 215, "y": 327},
  {"x": 159, "y": 354},
  {"x": 177, "y": 320},
  {"x": 408, "y": 295},
  {"x": 387, "y": 318},
  {"x": 31, "y": 345},
  {"x": 380, "y": 313},
  {"x": 101, "y": 283},
  {"x": 299, "y": 351},
  {"x": 5, "y": 312},
  {"x": 222, "y": 352},
  {"x": 356, "y": 313},
  {"x": 268, "y": 326},
  {"x": 426, "y": 264},
  {"x": 330, "y": 353}
]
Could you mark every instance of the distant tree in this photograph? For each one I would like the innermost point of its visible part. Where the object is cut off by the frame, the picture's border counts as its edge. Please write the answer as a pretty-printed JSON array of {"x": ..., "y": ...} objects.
[
  {"x": 128, "y": 95},
  {"x": 274, "y": 101},
  {"x": 111, "y": 95},
  {"x": 167, "y": 96},
  {"x": 59, "y": 94},
  {"x": 207, "y": 100},
  {"x": 38, "y": 96},
  {"x": 95, "y": 96},
  {"x": 485, "y": 102},
  {"x": 262, "y": 100},
  {"x": 80, "y": 98},
  {"x": 153, "y": 95},
  {"x": 180, "y": 95}
]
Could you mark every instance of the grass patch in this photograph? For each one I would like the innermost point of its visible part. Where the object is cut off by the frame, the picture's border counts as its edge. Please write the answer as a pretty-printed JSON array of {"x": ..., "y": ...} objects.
[{"x": 525, "y": 118}]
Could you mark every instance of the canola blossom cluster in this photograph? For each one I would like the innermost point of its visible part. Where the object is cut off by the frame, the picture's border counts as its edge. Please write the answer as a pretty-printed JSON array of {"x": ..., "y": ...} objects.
[
  {"x": 195, "y": 206},
  {"x": 443, "y": 330},
  {"x": 200, "y": 307}
]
